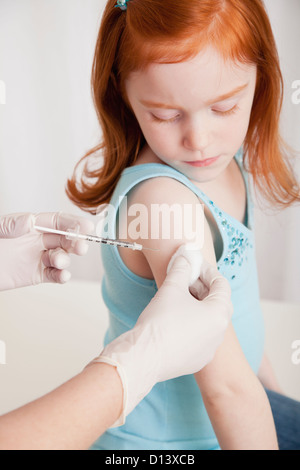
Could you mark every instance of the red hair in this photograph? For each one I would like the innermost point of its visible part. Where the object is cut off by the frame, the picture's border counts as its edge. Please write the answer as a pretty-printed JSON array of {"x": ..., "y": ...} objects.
[{"x": 168, "y": 31}]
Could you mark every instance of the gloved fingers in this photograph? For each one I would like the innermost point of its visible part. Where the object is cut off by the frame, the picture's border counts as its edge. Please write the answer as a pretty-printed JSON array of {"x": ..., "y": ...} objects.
[
  {"x": 199, "y": 290},
  {"x": 208, "y": 273},
  {"x": 62, "y": 221},
  {"x": 219, "y": 289},
  {"x": 52, "y": 241},
  {"x": 15, "y": 225},
  {"x": 78, "y": 247},
  {"x": 56, "y": 258},
  {"x": 56, "y": 276}
]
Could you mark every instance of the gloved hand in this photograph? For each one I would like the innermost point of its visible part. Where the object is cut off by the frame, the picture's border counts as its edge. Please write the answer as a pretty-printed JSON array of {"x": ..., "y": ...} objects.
[
  {"x": 28, "y": 257},
  {"x": 175, "y": 335}
]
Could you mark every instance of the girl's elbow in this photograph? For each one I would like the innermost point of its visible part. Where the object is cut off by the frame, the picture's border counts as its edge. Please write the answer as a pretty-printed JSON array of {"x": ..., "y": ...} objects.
[{"x": 234, "y": 392}]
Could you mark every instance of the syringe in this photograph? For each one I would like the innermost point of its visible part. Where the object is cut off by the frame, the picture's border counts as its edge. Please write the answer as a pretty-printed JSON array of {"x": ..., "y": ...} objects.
[{"x": 92, "y": 238}]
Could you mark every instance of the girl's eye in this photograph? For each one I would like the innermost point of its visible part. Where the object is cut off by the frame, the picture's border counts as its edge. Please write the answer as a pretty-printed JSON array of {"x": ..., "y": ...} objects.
[
  {"x": 165, "y": 120},
  {"x": 226, "y": 112}
]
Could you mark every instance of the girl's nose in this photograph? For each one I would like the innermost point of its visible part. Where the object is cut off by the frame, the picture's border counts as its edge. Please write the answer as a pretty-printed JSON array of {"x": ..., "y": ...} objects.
[{"x": 197, "y": 136}]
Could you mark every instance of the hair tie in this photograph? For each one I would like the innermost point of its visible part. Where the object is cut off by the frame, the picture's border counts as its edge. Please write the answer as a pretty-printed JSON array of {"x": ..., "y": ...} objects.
[{"x": 122, "y": 4}]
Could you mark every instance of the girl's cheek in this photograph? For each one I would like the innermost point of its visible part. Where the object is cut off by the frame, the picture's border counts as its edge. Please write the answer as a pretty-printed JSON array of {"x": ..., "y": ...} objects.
[{"x": 236, "y": 130}]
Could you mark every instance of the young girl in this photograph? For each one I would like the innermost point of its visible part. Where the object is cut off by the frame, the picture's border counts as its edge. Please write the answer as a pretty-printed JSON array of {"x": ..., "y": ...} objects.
[{"x": 188, "y": 94}]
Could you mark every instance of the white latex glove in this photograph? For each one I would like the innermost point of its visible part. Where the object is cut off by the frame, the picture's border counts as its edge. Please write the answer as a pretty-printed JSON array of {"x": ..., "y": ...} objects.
[
  {"x": 28, "y": 257},
  {"x": 175, "y": 335}
]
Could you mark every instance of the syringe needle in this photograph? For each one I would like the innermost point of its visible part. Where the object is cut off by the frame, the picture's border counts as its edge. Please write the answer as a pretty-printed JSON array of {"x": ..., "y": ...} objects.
[
  {"x": 92, "y": 238},
  {"x": 151, "y": 249}
]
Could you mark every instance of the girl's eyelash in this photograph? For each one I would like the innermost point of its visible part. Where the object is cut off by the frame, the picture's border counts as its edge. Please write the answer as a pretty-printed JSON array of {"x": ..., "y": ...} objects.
[
  {"x": 227, "y": 113},
  {"x": 165, "y": 121},
  {"x": 221, "y": 113}
]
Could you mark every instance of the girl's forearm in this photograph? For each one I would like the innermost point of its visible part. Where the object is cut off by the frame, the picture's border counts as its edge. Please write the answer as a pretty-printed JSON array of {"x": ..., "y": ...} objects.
[
  {"x": 71, "y": 417},
  {"x": 243, "y": 420},
  {"x": 267, "y": 376},
  {"x": 235, "y": 400}
]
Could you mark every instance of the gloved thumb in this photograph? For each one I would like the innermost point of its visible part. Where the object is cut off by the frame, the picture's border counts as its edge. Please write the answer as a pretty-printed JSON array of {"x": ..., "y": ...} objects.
[
  {"x": 179, "y": 272},
  {"x": 16, "y": 225},
  {"x": 187, "y": 270}
]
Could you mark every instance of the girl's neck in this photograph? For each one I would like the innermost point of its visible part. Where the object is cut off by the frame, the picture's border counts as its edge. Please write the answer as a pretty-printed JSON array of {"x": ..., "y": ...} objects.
[{"x": 148, "y": 156}]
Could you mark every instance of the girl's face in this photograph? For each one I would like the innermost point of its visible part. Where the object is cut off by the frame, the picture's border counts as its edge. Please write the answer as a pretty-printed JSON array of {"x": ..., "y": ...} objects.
[{"x": 194, "y": 115}]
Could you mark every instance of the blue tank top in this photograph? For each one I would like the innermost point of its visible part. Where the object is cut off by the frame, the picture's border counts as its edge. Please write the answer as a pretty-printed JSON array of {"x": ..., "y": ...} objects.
[{"x": 172, "y": 415}]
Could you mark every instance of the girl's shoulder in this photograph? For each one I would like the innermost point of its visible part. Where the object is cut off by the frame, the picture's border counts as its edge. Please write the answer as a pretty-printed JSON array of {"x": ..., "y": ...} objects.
[{"x": 160, "y": 184}]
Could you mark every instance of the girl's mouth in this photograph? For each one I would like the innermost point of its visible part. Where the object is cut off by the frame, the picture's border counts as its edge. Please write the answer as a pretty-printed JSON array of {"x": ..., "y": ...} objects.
[{"x": 202, "y": 163}]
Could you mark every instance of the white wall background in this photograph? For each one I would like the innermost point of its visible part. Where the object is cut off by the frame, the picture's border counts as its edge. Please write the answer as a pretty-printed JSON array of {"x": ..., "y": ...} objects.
[{"x": 48, "y": 122}]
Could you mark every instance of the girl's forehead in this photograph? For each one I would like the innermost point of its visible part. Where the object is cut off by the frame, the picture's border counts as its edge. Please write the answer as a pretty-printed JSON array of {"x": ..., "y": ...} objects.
[{"x": 203, "y": 74}]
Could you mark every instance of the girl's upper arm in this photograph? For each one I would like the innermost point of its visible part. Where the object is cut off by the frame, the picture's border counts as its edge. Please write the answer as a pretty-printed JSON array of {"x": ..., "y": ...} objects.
[{"x": 169, "y": 215}]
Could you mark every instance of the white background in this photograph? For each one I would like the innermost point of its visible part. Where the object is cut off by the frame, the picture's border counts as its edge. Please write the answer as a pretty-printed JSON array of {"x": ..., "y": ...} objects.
[{"x": 48, "y": 122}]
